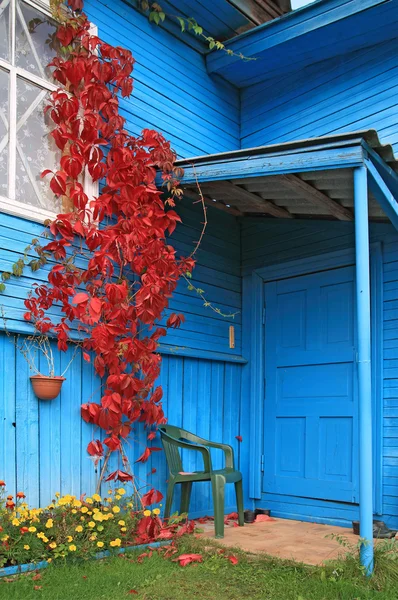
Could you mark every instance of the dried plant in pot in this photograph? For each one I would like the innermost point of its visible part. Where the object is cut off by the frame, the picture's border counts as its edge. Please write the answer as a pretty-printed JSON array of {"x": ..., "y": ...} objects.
[{"x": 45, "y": 386}]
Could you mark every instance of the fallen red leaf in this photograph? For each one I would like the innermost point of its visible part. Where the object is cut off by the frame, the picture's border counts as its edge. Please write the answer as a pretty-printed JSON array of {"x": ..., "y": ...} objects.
[
  {"x": 186, "y": 559},
  {"x": 132, "y": 592},
  {"x": 233, "y": 559},
  {"x": 36, "y": 577},
  {"x": 263, "y": 518},
  {"x": 37, "y": 587}
]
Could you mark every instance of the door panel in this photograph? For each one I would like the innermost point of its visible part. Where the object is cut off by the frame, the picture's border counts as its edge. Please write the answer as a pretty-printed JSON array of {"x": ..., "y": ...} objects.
[{"x": 311, "y": 397}]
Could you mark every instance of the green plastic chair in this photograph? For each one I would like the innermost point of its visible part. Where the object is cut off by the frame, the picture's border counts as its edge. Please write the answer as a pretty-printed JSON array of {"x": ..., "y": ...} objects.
[{"x": 174, "y": 439}]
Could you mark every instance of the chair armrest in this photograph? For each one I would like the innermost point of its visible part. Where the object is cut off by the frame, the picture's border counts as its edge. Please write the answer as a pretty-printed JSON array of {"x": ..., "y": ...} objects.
[
  {"x": 227, "y": 449},
  {"x": 190, "y": 446}
]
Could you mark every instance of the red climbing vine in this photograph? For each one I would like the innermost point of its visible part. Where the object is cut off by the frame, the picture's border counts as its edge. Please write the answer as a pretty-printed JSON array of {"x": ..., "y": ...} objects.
[{"x": 114, "y": 270}]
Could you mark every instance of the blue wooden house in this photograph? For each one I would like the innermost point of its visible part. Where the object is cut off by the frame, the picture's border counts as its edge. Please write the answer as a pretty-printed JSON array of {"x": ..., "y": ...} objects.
[{"x": 294, "y": 152}]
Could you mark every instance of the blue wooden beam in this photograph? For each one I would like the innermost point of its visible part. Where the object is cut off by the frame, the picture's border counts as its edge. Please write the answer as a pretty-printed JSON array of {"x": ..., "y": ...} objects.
[
  {"x": 382, "y": 193},
  {"x": 364, "y": 366}
]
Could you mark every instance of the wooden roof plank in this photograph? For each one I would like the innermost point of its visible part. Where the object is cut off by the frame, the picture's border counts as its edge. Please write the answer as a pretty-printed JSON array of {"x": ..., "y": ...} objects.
[
  {"x": 266, "y": 206},
  {"x": 316, "y": 197}
]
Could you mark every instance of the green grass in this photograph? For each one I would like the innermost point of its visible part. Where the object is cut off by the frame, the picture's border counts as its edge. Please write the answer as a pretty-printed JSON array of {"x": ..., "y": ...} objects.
[{"x": 253, "y": 578}]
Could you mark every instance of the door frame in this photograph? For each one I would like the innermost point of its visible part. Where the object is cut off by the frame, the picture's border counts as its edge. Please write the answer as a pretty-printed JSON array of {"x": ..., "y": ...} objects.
[{"x": 306, "y": 266}]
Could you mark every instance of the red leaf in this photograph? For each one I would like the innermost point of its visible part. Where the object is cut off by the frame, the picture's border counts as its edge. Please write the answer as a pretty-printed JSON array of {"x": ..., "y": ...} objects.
[
  {"x": 186, "y": 559},
  {"x": 95, "y": 448},
  {"x": 86, "y": 357},
  {"x": 79, "y": 298},
  {"x": 239, "y": 438},
  {"x": 151, "y": 497},
  {"x": 263, "y": 519},
  {"x": 36, "y": 577},
  {"x": 132, "y": 592},
  {"x": 233, "y": 559}
]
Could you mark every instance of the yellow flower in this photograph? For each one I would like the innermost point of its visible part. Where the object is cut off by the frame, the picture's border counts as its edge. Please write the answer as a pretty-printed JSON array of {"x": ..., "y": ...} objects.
[
  {"x": 117, "y": 497},
  {"x": 98, "y": 516},
  {"x": 91, "y": 524},
  {"x": 72, "y": 548},
  {"x": 100, "y": 544},
  {"x": 49, "y": 523},
  {"x": 105, "y": 509},
  {"x": 90, "y": 512},
  {"x": 110, "y": 492},
  {"x": 69, "y": 538},
  {"x": 97, "y": 497},
  {"x": 49, "y": 560},
  {"x": 45, "y": 539},
  {"x": 74, "y": 511},
  {"x": 147, "y": 513},
  {"x": 123, "y": 529},
  {"x": 121, "y": 491},
  {"x": 95, "y": 510},
  {"x": 26, "y": 547},
  {"x": 156, "y": 511},
  {"x": 53, "y": 545},
  {"x": 57, "y": 494},
  {"x": 50, "y": 506},
  {"x": 116, "y": 509},
  {"x": 84, "y": 509},
  {"x": 89, "y": 501},
  {"x": 93, "y": 537},
  {"x": 79, "y": 529},
  {"x": 116, "y": 542},
  {"x": 130, "y": 505},
  {"x": 5, "y": 538},
  {"x": 32, "y": 529},
  {"x": 121, "y": 522},
  {"x": 15, "y": 522}
]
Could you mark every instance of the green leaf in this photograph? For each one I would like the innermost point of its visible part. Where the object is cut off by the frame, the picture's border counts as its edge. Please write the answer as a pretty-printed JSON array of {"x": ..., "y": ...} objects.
[
  {"x": 181, "y": 22},
  {"x": 162, "y": 16},
  {"x": 2, "y": 287},
  {"x": 5, "y": 276}
]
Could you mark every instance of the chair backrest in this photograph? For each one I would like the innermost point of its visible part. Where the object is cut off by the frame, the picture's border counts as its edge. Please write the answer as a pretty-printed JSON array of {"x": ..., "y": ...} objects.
[{"x": 171, "y": 450}]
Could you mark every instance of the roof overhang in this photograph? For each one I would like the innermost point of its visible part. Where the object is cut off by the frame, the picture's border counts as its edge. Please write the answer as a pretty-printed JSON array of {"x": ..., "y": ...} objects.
[
  {"x": 314, "y": 33},
  {"x": 310, "y": 178}
]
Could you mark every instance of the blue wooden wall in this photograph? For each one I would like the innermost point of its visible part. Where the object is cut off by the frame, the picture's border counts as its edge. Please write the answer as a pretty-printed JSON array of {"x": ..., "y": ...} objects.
[
  {"x": 43, "y": 444},
  {"x": 269, "y": 242},
  {"x": 347, "y": 93},
  {"x": 172, "y": 91}
]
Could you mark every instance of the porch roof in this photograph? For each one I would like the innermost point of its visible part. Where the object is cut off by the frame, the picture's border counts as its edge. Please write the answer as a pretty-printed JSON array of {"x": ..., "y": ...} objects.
[{"x": 310, "y": 178}]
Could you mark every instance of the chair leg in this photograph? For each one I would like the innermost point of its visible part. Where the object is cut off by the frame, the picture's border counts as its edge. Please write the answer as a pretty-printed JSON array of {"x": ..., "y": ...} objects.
[
  {"x": 169, "y": 499},
  {"x": 185, "y": 497},
  {"x": 239, "y": 502},
  {"x": 218, "y": 486}
]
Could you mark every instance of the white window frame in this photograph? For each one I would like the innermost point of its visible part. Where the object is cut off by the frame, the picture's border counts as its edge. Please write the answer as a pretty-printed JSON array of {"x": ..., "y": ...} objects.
[{"x": 9, "y": 204}]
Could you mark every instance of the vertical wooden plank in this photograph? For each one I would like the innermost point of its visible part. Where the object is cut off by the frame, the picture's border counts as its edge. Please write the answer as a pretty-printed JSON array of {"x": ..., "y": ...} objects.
[
  {"x": 174, "y": 412},
  {"x": 202, "y": 429},
  {"x": 190, "y": 405},
  {"x": 71, "y": 420},
  {"x": 7, "y": 414},
  {"x": 231, "y": 418},
  {"x": 158, "y": 460},
  {"x": 50, "y": 437},
  {"x": 27, "y": 433},
  {"x": 90, "y": 392}
]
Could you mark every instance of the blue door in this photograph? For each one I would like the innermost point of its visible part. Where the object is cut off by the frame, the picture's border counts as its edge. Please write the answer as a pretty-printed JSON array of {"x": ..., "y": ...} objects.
[{"x": 311, "y": 409}]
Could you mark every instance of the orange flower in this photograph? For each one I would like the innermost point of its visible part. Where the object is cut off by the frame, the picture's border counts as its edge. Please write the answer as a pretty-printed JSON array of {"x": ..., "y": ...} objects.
[
  {"x": 10, "y": 504},
  {"x": 20, "y": 495},
  {"x": 24, "y": 530},
  {"x": 10, "y": 497},
  {"x": 2, "y": 483}
]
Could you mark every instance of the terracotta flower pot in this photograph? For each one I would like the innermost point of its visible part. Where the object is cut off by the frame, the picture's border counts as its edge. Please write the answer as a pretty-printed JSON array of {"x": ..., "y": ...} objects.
[{"x": 46, "y": 388}]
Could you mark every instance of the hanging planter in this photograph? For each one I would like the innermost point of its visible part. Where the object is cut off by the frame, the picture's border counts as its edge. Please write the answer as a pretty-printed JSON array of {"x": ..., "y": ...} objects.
[{"x": 46, "y": 388}]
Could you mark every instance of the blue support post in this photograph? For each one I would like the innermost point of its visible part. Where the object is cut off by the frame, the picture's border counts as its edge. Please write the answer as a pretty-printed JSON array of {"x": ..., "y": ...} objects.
[{"x": 364, "y": 366}]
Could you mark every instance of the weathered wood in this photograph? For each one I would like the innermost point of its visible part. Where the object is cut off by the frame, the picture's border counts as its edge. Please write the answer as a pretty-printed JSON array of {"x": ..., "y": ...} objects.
[
  {"x": 257, "y": 11},
  {"x": 316, "y": 197},
  {"x": 265, "y": 205},
  {"x": 194, "y": 194}
]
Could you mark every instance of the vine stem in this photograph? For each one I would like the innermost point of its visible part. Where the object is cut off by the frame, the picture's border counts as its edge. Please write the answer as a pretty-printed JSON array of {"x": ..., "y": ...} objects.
[{"x": 101, "y": 477}]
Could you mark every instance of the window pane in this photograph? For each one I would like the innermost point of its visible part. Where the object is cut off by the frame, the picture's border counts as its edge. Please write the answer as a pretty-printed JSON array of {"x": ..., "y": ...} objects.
[
  {"x": 4, "y": 78},
  {"x": 5, "y": 29},
  {"x": 34, "y": 33},
  {"x": 36, "y": 150}
]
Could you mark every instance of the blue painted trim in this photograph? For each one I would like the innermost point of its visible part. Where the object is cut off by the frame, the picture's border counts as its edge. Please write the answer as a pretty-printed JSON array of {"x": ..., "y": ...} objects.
[
  {"x": 377, "y": 336},
  {"x": 26, "y": 568},
  {"x": 204, "y": 354},
  {"x": 382, "y": 193},
  {"x": 291, "y": 26},
  {"x": 257, "y": 387},
  {"x": 364, "y": 366},
  {"x": 222, "y": 167}
]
